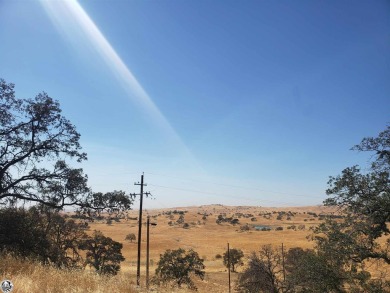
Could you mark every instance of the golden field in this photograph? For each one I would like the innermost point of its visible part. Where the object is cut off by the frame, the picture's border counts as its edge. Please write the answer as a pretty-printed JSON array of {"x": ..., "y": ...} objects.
[
  {"x": 203, "y": 235},
  {"x": 209, "y": 238}
]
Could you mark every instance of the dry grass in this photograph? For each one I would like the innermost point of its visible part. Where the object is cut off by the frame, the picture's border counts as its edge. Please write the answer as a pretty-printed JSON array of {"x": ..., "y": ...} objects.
[
  {"x": 209, "y": 239},
  {"x": 31, "y": 277},
  {"x": 205, "y": 237}
]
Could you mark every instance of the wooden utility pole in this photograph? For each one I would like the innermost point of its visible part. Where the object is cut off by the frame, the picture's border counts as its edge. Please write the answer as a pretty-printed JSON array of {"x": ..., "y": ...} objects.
[
  {"x": 139, "y": 229},
  {"x": 284, "y": 271},
  {"x": 147, "y": 251},
  {"x": 228, "y": 251}
]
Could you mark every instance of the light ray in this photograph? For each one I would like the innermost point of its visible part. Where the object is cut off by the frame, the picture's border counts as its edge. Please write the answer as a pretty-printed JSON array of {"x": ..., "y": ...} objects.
[{"x": 66, "y": 14}]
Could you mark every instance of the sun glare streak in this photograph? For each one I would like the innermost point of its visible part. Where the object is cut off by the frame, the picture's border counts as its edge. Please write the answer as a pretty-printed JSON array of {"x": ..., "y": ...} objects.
[{"x": 65, "y": 14}]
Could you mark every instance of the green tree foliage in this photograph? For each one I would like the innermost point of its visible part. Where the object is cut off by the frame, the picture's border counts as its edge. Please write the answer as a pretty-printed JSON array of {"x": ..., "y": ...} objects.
[
  {"x": 364, "y": 199},
  {"x": 344, "y": 245},
  {"x": 103, "y": 253},
  {"x": 177, "y": 266},
  {"x": 236, "y": 256},
  {"x": 36, "y": 141}
]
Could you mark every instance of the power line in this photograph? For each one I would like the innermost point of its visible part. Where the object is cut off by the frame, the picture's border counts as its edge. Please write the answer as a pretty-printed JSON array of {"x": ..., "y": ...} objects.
[
  {"x": 222, "y": 195},
  {"x": 216, "y": 183},
  {"x": 235, "y": 186}
]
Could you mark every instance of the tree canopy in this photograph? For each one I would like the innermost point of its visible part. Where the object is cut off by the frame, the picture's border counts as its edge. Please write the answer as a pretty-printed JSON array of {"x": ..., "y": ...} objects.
[
  {"x": 262, "y": 273},
  {"x": 234, "y": 257},
  {"x": 103, "y": 253},
  {"x": 345, "y": 246},
  {"x": 38, "y": 147},
  {"x": 363, "y": 197},
  {"x": 176, "y": 266}
]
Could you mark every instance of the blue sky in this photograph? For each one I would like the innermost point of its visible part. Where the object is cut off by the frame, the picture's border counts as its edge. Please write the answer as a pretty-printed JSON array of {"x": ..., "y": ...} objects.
[{"x": 229, "y": 102}]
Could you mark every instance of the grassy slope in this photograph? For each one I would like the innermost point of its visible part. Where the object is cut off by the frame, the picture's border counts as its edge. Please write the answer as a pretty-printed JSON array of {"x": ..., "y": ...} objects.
[
  {"x": 210, "y": 238},
  {"x": 207, "y": 239},
  {"x": 31, "y": 277}
]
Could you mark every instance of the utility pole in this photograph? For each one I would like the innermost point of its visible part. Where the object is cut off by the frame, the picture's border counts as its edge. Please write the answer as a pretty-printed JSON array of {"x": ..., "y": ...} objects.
[
  {"x": 147, "y": 251},
  {"x": 139, "y": 229},
  {"x": 228, "y": 251},
  {"x": 284, "y": 271}
]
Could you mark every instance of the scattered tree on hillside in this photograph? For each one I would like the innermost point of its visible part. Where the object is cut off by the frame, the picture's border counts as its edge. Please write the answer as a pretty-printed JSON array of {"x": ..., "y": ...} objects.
[
  {"x": 103, "y": 253},
  {"x": 130, "y": 237},
  {"x": 180, "y": 220},
  {"x": 263, "y": 272},
  {"x": 236, "y": 256},
  {"x": 223, "y": 219},
  {"x": 36, "y": 141},
  {"x": 177, "y": 266}
]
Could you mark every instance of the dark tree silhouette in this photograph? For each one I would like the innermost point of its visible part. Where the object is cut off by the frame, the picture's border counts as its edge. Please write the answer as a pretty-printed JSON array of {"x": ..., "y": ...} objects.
[
  {"x": 103, "y": 253},
  {"x": 263, "y": 272},
  {"x": 41, "y": 234},
  {"x": 130, "y": 237},
  {"x": 36, "y": 141},
  {"x": 236, "y": 256},
  {"x": 309, "y": 271}
]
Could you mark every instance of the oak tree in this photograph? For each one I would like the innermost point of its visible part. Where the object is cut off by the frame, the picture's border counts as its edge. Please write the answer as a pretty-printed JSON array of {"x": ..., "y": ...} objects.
[
  {"x": 130, "y": 237},
  {"x": 235, "y": 255},
  {"x": 263, "y": 272},
  {"x": 38, "y": 146},
  {"x": 363, "y": 196},
  {"x": 103, "y": 253},
  {"x": 176, "y": 267}
]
